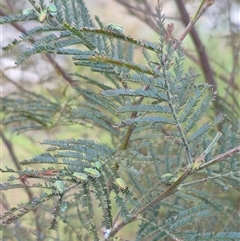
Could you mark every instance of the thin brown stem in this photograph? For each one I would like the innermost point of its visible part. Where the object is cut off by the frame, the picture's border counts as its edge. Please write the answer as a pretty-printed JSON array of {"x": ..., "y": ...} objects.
[
  {"x": 205, "y": 179},
  {"x": 56, "y": 66},
  {"x": 235, "y": 46},
  {"x": 133, "y": 115},
  {"x": 136, "y": 10},
  {"x": 220, "y": 157},
  {"x": 173, "y": 188},
  {"x": 204, "y": 62},
  {"x": 11, "y": 151}
]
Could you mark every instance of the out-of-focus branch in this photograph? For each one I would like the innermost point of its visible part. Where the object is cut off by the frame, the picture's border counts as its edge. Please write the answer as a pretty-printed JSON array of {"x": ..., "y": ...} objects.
[
  {"x": 56, "y": 66},
  {"x": 204, "y": 63},
  {"x": 8, "y": 144},
  {"x": 215, "y": 73},
  {"x": 11, "y": 151},
  {"x": 235, "y": 45},
  {"x": 145, "y": 16}
]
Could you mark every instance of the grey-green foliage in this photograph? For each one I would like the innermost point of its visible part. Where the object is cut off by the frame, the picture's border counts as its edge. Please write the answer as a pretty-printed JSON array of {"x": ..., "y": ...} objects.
[{"x": 159, "y": 103}]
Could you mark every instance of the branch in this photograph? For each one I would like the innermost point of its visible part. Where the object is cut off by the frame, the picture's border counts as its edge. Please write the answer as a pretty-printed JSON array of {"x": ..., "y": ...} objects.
[
  {"x": 9, "y": 146},
  {"x": 57, "y": 67},
  {"x": 133, "y": 115},
  {"x": 208, "y": 178},
  {"x": 172, "y": 189},
  {"x": 220, "y": 157},
  {"x": 205, "y": 65},
  {"x": 17, "y": 165},
  {"x": 136, "y": 10}
]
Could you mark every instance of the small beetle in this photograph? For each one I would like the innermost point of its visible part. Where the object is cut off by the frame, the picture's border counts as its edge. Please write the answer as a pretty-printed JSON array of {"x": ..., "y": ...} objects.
[
  {"x": 59, "y": 186},
  {"x": 52, "y": 10},
  {"x": 43, "y": 15},
  {"x": 83, "y": 177},
  {"x": 98, "y": 165},
  {"x": 168, "y": 179},
  {"x": 92, "y": 172},
  {"x": 115, "y": 28},
  {"x": 63, "y": 206},
  {"x": 28, "y": 11},
  {"x": 121, "y": 183},
  {"x": 115, "y": 166}
]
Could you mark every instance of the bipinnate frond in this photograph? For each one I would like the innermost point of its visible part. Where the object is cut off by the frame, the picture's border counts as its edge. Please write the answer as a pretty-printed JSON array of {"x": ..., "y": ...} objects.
[{"x": 165, "y": 145}]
